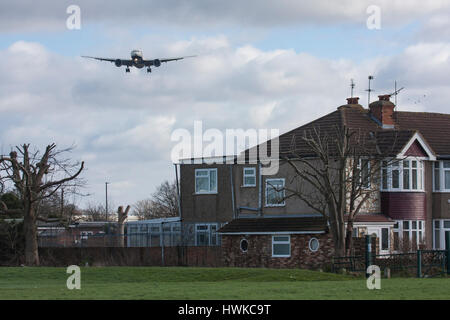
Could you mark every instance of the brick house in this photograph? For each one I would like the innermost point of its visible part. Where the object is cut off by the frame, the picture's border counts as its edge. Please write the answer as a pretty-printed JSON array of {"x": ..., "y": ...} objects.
[{"x": 234, "y": 202}]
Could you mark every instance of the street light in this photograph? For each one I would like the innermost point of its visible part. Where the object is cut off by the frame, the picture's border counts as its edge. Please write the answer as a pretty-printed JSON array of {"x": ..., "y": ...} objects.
[{"x": 106, "y": 206}]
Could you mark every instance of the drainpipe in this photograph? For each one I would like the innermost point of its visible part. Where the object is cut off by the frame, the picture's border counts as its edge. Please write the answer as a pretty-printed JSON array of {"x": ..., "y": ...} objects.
[
  {"x": 178, "y": 190},
  {"x": 260, "y": 189},
  {"x": 232, "y": 191}
]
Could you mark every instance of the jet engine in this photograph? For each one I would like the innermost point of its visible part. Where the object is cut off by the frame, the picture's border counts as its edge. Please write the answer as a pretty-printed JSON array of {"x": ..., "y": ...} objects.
[
  {"x": 156, "y": 62},
  {"x": 118, "y": 62}
]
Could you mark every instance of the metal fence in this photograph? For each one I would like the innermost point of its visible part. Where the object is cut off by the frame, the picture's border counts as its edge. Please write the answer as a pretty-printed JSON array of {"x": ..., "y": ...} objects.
[
  {"x": 137, "y": 235},
  {"x": 423, "y": 263}
]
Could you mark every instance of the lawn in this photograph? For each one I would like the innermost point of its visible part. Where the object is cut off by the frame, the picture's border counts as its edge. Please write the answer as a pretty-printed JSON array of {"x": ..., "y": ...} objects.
[{"x": 208, "y": 283}]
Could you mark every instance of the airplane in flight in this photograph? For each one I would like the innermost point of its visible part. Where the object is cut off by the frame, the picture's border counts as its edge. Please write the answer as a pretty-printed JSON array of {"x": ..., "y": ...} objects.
[{"x": 137, "y": 60}]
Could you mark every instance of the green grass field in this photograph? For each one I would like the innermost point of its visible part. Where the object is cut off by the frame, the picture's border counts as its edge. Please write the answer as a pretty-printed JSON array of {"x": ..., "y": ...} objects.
[{"x": 208, "y": 283}]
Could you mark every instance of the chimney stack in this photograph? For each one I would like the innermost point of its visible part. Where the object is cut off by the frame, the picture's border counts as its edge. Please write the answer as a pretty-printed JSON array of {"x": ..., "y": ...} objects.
[{"x": 382, "y": 111}]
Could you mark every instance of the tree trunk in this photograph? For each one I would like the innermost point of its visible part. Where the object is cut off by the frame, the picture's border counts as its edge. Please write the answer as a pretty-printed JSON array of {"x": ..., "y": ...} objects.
[
  {"x": 349, "y": 238},
  {"x": 31, "y": 243}
]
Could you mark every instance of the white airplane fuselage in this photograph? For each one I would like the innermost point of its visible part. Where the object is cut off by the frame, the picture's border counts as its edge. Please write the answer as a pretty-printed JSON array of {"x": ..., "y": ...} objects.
[{"x": 137, "y": 58}]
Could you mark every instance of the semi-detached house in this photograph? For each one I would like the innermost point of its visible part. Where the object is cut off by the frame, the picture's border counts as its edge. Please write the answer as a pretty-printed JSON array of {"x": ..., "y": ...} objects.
[{"x": 235, "y": 205}]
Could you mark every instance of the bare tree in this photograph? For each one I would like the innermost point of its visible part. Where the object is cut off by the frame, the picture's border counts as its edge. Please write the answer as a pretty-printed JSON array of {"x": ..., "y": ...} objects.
[
  {"x": 94, "y": 212},
  {"x": 143, "y": 209},
  {"x": 337, "y": 177},
  {"x": 36, "y": 178},
  {"x": 163, "y": 203},
  {"x": 121, "y": 217}
]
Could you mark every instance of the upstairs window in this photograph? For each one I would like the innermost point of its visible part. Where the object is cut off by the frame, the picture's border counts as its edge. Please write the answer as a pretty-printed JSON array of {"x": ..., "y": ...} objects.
[
  {"x": 404, "y": 175},
  {"x": 205, "y": 181},
  {"x": 275, "y": 192},
  {"x": 441, "y": 176},
  {"x": 364, "y": 169},
  {"x": 249, "y": 177}
]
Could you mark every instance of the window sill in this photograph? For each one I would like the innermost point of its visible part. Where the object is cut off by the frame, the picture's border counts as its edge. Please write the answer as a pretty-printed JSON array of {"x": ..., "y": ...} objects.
[
  {"x": 281, "y": 256},
  {"x": 401, "y": 190},
  {"x": 274, "y": 205},
  {"x": 248, "y": 186},
  {"x": 203, "y": 193}
]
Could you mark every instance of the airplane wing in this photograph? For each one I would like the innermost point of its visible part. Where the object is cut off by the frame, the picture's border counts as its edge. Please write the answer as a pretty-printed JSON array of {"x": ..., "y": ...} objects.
[
  {"x": 124, "y": 62},
  {"x": 154, "y": 62}
]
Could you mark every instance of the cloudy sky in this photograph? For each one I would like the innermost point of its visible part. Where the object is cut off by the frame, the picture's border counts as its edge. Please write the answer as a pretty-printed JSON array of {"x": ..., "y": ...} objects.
[{"x": 260, "y": 64}]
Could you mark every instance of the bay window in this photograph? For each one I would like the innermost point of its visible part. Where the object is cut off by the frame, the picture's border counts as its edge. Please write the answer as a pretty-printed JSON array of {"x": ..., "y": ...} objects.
[
  {"x": 402, "y": 175},
  {"x": 408, "y": 234}
]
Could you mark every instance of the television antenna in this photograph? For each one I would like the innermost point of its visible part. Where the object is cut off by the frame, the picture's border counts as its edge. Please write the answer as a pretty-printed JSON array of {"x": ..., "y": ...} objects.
[
  {"x": 369, "y": 91},
  {"x": 352, "y": 86},
  {"x": 395, "y": 93}
]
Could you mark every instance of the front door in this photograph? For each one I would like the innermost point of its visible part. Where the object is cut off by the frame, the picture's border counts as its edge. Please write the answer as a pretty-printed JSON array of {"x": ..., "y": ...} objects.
[{"x": 382, "y": 233}]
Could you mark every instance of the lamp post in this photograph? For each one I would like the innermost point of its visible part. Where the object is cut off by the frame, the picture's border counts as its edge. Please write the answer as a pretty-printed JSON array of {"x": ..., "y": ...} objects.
[{"x": 106, "y": 204}]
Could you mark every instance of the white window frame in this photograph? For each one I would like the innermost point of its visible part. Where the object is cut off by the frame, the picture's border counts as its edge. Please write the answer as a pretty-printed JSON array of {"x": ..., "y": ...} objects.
[
  {"x": 442, "y": 231},
  {"x": 361, "y": 173},
  {"x": 244, "y": 175},
  {"x": 208, "y": 231},
  {"x": 288, "y": 242},
  {"x": 209, "y": 170},
  {"x": 420, "y": 174},
  {"x": 318, "y": 244},
  {"x": 268, "y": 185},
  {"x": 410, "y": 231},
  {"x": 441, "y": 173}
]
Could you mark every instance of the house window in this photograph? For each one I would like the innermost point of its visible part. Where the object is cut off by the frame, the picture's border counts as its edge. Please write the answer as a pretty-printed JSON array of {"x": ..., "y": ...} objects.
[
  {"x": 441, "y": 227},
  {"x": 281, "y": 246},
  {"x": 396, "y": 237},
  {"x": 249, "y": 177},
  {"x": 441, "y": 176},
  {"x": 206, "y": 234},
  {"x": 364, "y": 167},
  {"x": 314, "y": 244},
  {"x": 384, "y": 175},
  {"x": 437, "y": 176},
  {"x": 243, "y": 245},
  {"x": 205, "y": 181},
  {"x": 406, "y": 175},
  {"x": 384, "y": 238},
  {"x": 410, "y": 234},
  {"x": 275, "y": 192}
]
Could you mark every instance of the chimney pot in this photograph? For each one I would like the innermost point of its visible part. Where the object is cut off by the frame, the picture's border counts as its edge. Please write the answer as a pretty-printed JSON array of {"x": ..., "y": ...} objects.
[
  {"x": 352, "y": 100},
  {"x": 384, "y": 97}
]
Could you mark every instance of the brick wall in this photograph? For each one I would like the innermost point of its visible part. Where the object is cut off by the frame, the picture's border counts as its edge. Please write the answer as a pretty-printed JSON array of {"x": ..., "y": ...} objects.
[{"x": 259, "y": 253}]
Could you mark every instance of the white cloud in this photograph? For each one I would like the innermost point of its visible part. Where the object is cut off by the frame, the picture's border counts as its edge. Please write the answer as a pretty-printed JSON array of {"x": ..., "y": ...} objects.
[{"x": 121, "y": 123}]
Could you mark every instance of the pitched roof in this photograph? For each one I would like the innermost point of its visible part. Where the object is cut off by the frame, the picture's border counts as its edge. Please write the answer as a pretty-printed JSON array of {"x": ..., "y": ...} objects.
[
  {"x": 434, "y": 127},
  {"x": 285, "y": 224},
  {"x": 371, "y": 218}
]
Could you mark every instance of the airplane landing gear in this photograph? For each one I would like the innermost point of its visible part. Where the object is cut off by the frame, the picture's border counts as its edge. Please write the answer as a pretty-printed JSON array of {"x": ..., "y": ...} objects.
[
  {"x": 127, "y": 70},
  {"x": 149, "y": 70}
]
